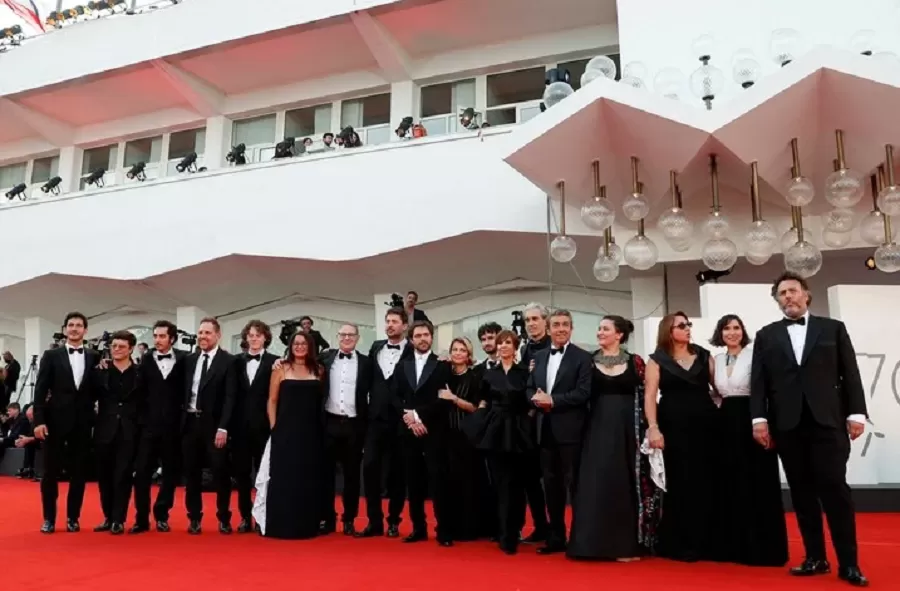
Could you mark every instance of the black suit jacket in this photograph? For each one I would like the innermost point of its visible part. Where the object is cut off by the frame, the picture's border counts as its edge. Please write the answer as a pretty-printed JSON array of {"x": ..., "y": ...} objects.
[
  {"x": 363, "y": 381},
  {"x": 217, "y": 393},
  {"x": 827, "y": 376},
  {"x": 382, "y": 405},
  {"x": 165, "y": 395},
  {"x": 571, "y": 393},
  {"x": 12, "y": 376},
  {"x": 15, "y": 428},
  {"x": 117, "y": 410},
  {"x": 422, "y": 395},
  {"x": 58, "y": 403},
  {"x": 251, "y": 405}
]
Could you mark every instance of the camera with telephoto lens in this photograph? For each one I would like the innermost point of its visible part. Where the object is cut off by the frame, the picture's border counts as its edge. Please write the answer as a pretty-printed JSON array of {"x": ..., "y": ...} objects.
[
  {"x": 396, "y": 301},
  {"x": 518, "y": 323},
  {"x": 188, "y": 339},
  {"x": 288, "y": 328}
]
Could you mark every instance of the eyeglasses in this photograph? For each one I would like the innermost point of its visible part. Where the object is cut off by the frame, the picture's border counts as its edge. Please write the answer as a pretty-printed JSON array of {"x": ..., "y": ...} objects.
[
  {"x": 683, "y": 325},
  {"x": 347, "y": 335}
]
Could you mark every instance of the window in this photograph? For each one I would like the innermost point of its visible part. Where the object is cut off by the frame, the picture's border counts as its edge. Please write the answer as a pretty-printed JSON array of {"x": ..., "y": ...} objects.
[
  {"x": 12, "y": 175},
  {"x": 44, "y": 169},
  {"x": 104, "y": 157},
  {"x": 310, "y": 122},
  {"x": 366, "y": 112},
  {"x": 146, "y": 150},
  {"x": 510, "y": 93},
  {"x": 257, "y": 134},
  {"x": 576, "y": 69},
  {"x": 442, "y": 104},
  {"x": 182, "y": 143}
]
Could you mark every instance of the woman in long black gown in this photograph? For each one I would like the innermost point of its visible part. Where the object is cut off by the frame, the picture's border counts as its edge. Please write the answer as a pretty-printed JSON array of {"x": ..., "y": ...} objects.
[
  {"x": 616, "y": 507},
  {"x": 290, "y": 486},
  {"x": 754, "y": 523},
  {"x": 685, "y": 426}
]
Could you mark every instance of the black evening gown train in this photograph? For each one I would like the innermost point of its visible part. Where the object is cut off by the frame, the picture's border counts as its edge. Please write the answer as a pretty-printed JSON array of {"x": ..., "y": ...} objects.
[{"x": 293, "y": 494}]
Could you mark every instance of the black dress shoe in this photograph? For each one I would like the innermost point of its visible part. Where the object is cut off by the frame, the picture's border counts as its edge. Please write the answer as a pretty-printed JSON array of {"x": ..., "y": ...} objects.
[
  {"x": 811, "y": 567},
  {"x": 194, "y": 527},
  {"x": 138, "y": 528},
  {"x": 225, "y": 528},
  {"x": 348, "y": 528},
  {"x": 244, "y": 527},
  {"x": 370, "y": 531},
  {"x": 393, "y": 531},
  {"x": 510, "y": 549},
  {"x": 103, "y": 527},
  {"x": 552, "y": 548},
  {"x": 418, "y": 535},
  {"x": 852, "y": 575},
  {"x": 117, "y": 529},
  {"x": 536, "y": 537},
  {"x": 72, "y": 526},
  {"x": 48, "y": 527},
  {"x": 162, "y": 526}
]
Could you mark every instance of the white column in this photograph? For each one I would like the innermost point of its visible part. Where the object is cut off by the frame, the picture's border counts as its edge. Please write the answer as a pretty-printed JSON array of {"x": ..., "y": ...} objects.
[
  {"x": 188, "y": 318},
  {"x": 404, "y": 103},
  {"x": 218, "y": 142},
  {"x": 38, "y": 337},
  {"x": 648, "y": 298},
  {"x": 69, "y": 169}
]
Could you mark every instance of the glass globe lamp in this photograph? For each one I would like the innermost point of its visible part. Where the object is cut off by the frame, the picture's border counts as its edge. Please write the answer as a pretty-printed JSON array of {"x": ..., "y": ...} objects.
[
  {"x": 634, "y": 74},
  {"x": 803, "y": 258},
  {"x": 679, "y": 245},
  {"x": 636, "y": 207},
  {"x": 889, "y": 200},
  {"x": 863, "y": 42},
  {"x": 844, "y": 188},
  {"x": 745, "y": 69},
  {"x": 675, "y": 226},
  {"x": 602, "y": 65},
  {"x": 761, "y": 240},
  {"x": 789, "y": 238},
  {"x": 703, "y": 46},
  {"x": 756, "y": 259},
  {"x": 716, "y": 225},
  {"x": 839, "y": 221},
  {"x": 598, "y": 213},
  {"x": 669, "y": 82},
  {"x": 799, "y": 192},
  {"x": 833, "y": 239},
  {"x": 641, "y": 253},
  {"x": 615, "y": 252},
  {"x": 707, "y": 82},
  {"x": 785, "y": 45},
  {"x": 888, "y": 58},
  {"x": 606, "y": 268},
  {"x": 563, "y": 249},
  {"x": 556, "y": 92},
  {"x": 719, "y": 254},
  {"x": 871, "y": 228},
  {"x": 887, "y": 258}
]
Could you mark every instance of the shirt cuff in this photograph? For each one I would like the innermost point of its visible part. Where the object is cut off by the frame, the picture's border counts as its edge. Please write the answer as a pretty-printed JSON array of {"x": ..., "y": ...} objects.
[
  {"x": 416, "y": 417},
  {"x": 225, "y": 431},
  {"x": 861, "y": 419},
  {"x": 759, "y": 421}
]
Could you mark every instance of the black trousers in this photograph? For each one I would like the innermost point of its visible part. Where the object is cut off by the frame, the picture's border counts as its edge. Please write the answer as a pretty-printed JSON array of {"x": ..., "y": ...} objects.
[
  {"x": 343, "y": 446},
  {"x": 156, "y": 451},
  {"x": 115, "y": 466},
  {"x": 71, "y": 449},
  {"x": 240, "y": 451},
  {"x": 383, "y": 446},
  {"x": 558, "y": 464},
  {"x": 508, "y": 474},
  {"x": 815, "y": 464},
  {"x": 199, "y": 450},
  {"x": 534, "y": 491},
  {"x": 258, "y": 438},
  {"x": 427, "y": 467}
]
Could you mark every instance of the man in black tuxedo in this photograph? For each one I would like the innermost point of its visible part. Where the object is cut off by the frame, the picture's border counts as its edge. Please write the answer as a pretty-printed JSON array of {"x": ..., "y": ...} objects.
[
  {"x": 807, "y": 401},
  {"x": 419, "y": 378},
  {"x": 121, "y": 401},
  {"x": 162, "y": 376},
  {"x": 560, "y": 388},
  {"x": 346, "y": 413},
  {"x": 249, "y": 431},
  {"x": 8, "y": 387},
  {"x": 63, "y": 418},
  {"x": 383, "y": 440},
  {"x": 209, "y": 399}
]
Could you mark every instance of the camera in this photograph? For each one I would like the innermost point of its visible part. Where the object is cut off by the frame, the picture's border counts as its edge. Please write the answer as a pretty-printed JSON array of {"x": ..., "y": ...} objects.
[
  {"x": 101, "y": 344},
  {"x": 518, "y": 323},
  {"x": 396, "y": 301},
  {"x": 288, "y": 328},
  {"x": 188, "y": 339},
  {"x": 59, "y": 336}
]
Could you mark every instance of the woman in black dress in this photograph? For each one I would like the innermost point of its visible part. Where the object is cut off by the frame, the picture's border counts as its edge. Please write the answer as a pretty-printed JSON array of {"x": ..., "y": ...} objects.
[
  {"x": 290, "y": 486},
  {"x": 616, "y": 506},
  {"x": 503, "y": 428},
  {"x": 754, "y": 525},
  {"x": 685, "y": 426}
]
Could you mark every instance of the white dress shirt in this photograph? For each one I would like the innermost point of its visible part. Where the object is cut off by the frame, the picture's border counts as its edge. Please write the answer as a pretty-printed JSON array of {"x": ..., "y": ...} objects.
[
  {"x": 421, "y": 359},
  {"x": 553, "y": 363},
  {"x": 388, "y": 358},
  {"x": 76, "y": 360},
  {"x": 342, "y": 386},
  {"x": 253, "y": 365},
  {"x": 738, "y": 383},
  {"x": 797, "y": 334},
  {"x": 165, "y": 365}
]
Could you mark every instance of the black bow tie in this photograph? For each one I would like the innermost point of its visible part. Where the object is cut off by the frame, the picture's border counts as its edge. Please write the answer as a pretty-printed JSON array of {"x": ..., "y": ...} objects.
[
  {"x": 490, "y": 364},
  {"x": 256, "y": 357},
  {"x": 162, "y": 356},
  {"x": 395, "y": 347},
  {"x": 799, "y": 321},
  {"x": 555, "y": 351},
  {"x": 80, "y": 350},
  {"x": 345, "y": 355}
]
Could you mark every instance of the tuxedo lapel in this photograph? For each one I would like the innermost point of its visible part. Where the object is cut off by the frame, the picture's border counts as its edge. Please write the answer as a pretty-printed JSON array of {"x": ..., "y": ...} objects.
[
  {"x": 67, "y": 365},
  {"x": 813, "y": 330},
  {"x": 563, "y": 367},
  {"x": 430, "y": 364},
  {"x": 784, "y": 339},
  {"x": 409, "y": 368}
]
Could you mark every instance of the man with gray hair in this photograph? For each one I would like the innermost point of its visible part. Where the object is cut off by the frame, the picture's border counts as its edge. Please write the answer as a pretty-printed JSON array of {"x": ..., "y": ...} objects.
[{"x": 535, "y": 316}]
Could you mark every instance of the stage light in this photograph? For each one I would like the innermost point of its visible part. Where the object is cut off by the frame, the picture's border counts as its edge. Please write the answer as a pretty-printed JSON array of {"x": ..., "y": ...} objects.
[
  {"x": 236, "y": 155},
  {"x": 52, "y": 186},
  {"x": 870, "y": 264},
  {"x": 96, "y": 177},
  {"x": 17, "y": 191},
  {"x": 188, "y": 163},
  {"x": 284, "y": 149},
  {"x": 137, "y": 171}
]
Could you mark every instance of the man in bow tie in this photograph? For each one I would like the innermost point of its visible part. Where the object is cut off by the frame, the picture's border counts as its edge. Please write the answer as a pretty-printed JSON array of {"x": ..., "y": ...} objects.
[
  {"x": 807, "y": 401},
  {"x": 63, "y": 418},
  {"x": 487, "y": 335}
]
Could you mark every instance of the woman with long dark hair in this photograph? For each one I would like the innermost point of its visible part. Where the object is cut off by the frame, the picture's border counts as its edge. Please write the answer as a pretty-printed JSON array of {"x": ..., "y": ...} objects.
[
  {"x": 684, "y": 424},
  {"x": 616, "y": 506},
  {"x": 755, "y": 532},
  {"x": 290, "y": 486}
]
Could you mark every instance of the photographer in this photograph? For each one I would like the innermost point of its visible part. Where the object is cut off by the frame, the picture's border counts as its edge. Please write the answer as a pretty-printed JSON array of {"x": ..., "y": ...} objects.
[
  {"x": 10, "y": 379},
  {"x": 413, "y": 313},
  {"x": 306, "y": 324}
]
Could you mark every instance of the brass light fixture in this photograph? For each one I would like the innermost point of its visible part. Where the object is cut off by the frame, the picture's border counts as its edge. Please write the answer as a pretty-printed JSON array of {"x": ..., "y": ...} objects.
[
  {"x": 563, "y": 247},
  {"x": 675, "y": 226},
  {"x": 636, "y": 207},
  {"x": 719, "y": 252},
  {"x": 761, "y": 238},
  {"x": 837, "y": 226},
  {"x": 598, "y": 213}
]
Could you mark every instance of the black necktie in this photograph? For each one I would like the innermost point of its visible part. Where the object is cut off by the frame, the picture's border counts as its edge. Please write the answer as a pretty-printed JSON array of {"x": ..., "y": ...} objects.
[
  {"x": 162, "y": 356},
  {"x": 254, "y": 357},
  {"x": 80, "y": 350},
  {"x": 395, "y": 347},
  {"x": 345, "y": 355},
  {"x": 491, "y": 364},
  {"x": 203, "y": 370},
  {"x": 799, "y": 321},
  {"x": 555, "y": 351}
]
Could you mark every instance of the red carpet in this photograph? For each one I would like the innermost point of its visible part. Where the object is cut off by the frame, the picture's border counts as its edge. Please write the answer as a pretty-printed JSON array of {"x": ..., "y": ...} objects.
[{"x": 176, "y": 561}]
